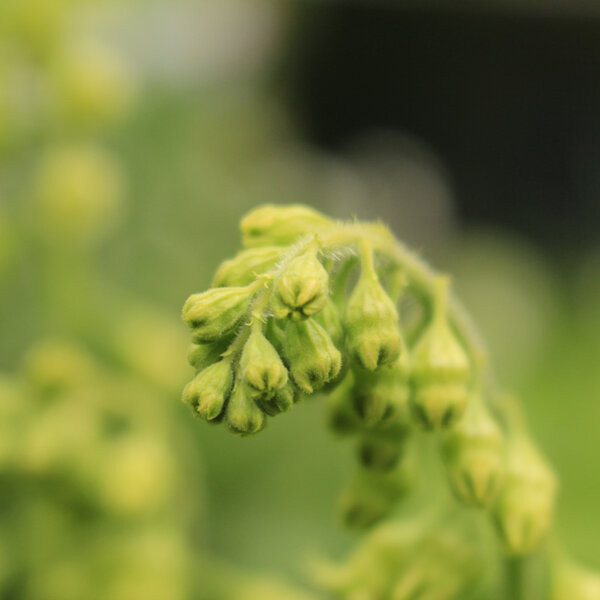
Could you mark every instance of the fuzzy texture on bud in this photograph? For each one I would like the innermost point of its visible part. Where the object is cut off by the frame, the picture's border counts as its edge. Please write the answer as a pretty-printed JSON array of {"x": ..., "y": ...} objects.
[
  {"x": 525, "y": 507},
  {"x": 208, "y": 391},
  {"x": 280, "y": 225},
  {"x": 261, "y": 368},
  {"x": 242, "y": 415},
  {"x": 371, "y": 321},
  {"x": 302, "y": 289},
  {"x": 441, "y": 371},
  {"x": 474, "y": 453},
  {"x": 312, "y": 358},
  {"x": 281, "y": 400},
  {"x": 216, "y": 312},
  {"x": 243, "y": 268}
]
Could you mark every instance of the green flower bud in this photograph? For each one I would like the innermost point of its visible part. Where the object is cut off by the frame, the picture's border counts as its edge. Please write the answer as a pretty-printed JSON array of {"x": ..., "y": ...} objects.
[
  {"x": 280, "y": 225},
  {"x": 260, "y": 366},
  {"x": 246, "y": 265},
  {"x": 280, "y": 400},
  {"x": 341, "y": 416},
  {"x": 242, "y": 415},
  {"x": 441, "y": 371},
  {"x": 525, "y": 507},
  {"x": 302, "y": 288},
  {"x": 572, "y": 582},
  {"x": 372, "y": 495},
  {"x": 475, "y": 455},
  {"x": 382, "y": 452},
  {"x": 216, "y": 312},
  {"x": 371, "y": 321},
  {"x": 208, "y": 391},
  {"x": 329, "y": 319},
  {"x": 201, "y": 356},
  {"x": 382, "y": 396},
  {"x": 312, "y": 358}
]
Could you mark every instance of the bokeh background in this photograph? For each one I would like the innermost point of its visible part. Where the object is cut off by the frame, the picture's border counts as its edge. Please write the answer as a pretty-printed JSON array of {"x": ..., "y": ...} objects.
[{"x": 133, "y": 137}]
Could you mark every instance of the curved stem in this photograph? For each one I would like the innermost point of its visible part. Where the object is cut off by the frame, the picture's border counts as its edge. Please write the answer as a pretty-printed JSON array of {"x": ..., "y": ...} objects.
[{"x": 419, "y": 274}]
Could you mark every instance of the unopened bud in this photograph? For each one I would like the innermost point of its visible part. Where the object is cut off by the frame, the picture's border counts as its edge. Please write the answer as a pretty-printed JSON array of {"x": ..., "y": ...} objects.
[
  {"x": 201, "y": 356},
  {"x": 261, "y": 367},
  {"x": 525, "y": 507},
  {"x": 441, "y": 370},
  {"x": 383, "y": 395},
  {"x": 572, "y": 582},
  {"x": 242, "y": 415},
  {"x": 311, "y": 355},
  {"x": 208, "y": 391},
  {"x": 280, "y": 225},
  {"x": 280, "y": 400},
  {"x": 381, "y": 451},
  {"x": 372, "y": 495},
  {"x": 371, "y": 321},
  {"x": 216, "y": 312},
  {"x": 474, "y": 453},
  {"x": 302, "y": 289},
  {"x": 246, "y": 265},
  {"x": 329, "y": 319}
]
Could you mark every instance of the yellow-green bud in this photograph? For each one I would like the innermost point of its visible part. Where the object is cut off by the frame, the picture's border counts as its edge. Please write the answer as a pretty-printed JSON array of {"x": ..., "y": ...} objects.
[
  {"x": 280, "y": 400},
  {"x": 312, "y": 358},
  {"x": 216, "y": 312},
  {"x": 572, "y": 582},
  {"x": 329, "y": 319},
  {"x": 341, "y": 416},
  {"x": 525, "y": 506},
  {"x": 474, "y": 452},
  {"x": 302, "y": 288},
  {"x": 208, "y": 391},
  {"x": 372, "y": 495},
  {"x": 441, "y": 371},
  {"x": 383, "y": 395},
  {"x": 280, "y": 225},
  {"x": 371, "y": 321},
  {"x": 261, "y": 368},
  {"x": 246, "y": 265},
  {"x": 201, "y": 356},
  {"x": 382, "y": 451},
  {"x": 242, "y": 415}
]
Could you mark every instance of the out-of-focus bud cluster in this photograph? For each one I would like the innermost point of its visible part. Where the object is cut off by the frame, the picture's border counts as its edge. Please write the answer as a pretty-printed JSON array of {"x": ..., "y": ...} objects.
[
  {"x": 88, "y": 453},
  {"x": 525, "y": 506},
  {"x": 409, "y": 560}
]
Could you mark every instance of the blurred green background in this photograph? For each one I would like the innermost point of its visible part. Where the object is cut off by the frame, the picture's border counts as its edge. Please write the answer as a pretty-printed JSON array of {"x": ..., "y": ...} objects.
[{"x": 133, "y": 137}]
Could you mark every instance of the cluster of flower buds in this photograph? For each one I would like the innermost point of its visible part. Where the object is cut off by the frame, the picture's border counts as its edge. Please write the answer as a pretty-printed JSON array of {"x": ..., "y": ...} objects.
[
  {"x": 409, "y": 560},
  {"x": 261, "y": 337},
  {"x": 271, "y": 330}
]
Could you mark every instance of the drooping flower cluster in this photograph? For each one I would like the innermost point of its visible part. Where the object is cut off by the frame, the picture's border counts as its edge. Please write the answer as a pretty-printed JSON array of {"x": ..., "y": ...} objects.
[{"x": 312, "y": 305}]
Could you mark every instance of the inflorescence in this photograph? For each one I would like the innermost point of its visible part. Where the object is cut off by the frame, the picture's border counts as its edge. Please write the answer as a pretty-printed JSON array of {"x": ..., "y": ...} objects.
[{"x": 312, "y": 304}]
